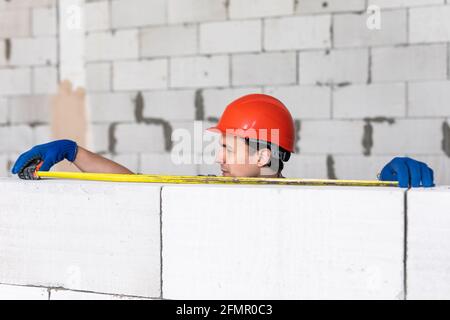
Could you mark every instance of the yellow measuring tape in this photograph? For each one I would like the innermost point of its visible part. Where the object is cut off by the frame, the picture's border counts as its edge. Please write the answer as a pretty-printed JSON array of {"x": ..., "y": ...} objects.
[{"x": 149, "y": 178}]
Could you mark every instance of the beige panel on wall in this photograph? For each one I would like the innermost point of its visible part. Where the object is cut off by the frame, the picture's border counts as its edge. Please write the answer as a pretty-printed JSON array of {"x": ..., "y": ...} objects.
[{"x": 69, "y": 119}]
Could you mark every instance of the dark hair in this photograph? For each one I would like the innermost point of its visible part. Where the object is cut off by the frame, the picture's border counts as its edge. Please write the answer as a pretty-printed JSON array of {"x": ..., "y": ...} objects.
[{"x": 277, "y": 153}]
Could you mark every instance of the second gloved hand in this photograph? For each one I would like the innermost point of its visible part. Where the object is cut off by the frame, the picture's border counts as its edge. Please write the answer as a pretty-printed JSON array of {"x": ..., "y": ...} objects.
[
  {"x": 50, "y": 153},
  {"x": 408, "y": 172}
]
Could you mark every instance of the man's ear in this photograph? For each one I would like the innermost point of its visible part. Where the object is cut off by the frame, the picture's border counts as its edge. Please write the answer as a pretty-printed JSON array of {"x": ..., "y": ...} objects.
[{"x": 264, "y": 156}]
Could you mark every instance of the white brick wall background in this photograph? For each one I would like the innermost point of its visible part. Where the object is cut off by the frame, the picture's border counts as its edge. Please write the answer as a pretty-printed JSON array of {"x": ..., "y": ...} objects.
[
  {"x": 359, "y": 96},
  {"x": 312, "y": 242}
]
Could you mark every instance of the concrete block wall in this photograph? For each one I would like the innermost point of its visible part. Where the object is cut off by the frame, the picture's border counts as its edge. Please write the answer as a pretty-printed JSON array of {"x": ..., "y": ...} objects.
[
  {"x": 359, "y": 96},
  {"x": 28, "y": 75},
  {"x": 151, "y": 241}
]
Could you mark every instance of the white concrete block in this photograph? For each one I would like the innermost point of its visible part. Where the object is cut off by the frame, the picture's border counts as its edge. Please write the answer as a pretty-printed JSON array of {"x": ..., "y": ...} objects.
[
  {"x": 304, "y": 102},
  {"x": 315, "y": 243},
  {"x": 97, "y": 15},
  {"x": 140, "y": 75},
  {"x": 242, "y": 9},
  {"x": 216, "y": 100},
  {"x": 418, "y": 136},
  {"x": 15, "y": 138},
  {"x": 123, "y": 44},
  {"x": 111, "y": 107},
  {"x": 15, "y": 81},
  {"x": 403, "y": 3},
  {"x": 331, "y": 137},
  {"x": 168, "y": 41},
  {"x": 98, "y": 76},
  {"x": 264, "y": 69},
  {"x": 44, "y": 21},
  {"x": 170, "y": 105},
  {"x": 369, "y": 101},
  {"x": 230, "y": 36},
  {"x": 314, "y": 6},
  {"x": 139, "y": 138},
  {"x": 409, "y": 63},
  {"x": 29, "y": 109},
  {"x": 135, "y": 13},
  {"x": 180, "y": 11},
  {"x": 428, "y": 244},
  {"x": 431, "y": 24},
  {"x": 8, "y": 292},
  {"x": 45, "y": 80},
  {"x": 336, "y": 66},
  {"x": 4, "y": 113},
  {"x": 297, "y": 32},
  {"x": 429, "y": 99},
  {"x": 44, "y": 51},
  {"x": 77, "y": 295},
  {"x": 306, "y": 167},
  {"x": 166, "y": 164},
  {"x": 199, "y": 72},
  {"x": 350, "y": 30},
  {"x": 106, "y": 237},
  {"x": 15, "y": 23}
]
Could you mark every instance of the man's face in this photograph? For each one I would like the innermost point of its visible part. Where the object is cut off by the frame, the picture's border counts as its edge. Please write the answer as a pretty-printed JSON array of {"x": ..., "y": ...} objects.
[{"x": 235, "y": 159}]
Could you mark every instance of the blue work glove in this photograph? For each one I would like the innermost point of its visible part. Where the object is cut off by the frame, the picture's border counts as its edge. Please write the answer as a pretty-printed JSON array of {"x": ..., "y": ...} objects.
[
  {"x": 50, "y": 153},
  {"x": 408, "y": 172}
]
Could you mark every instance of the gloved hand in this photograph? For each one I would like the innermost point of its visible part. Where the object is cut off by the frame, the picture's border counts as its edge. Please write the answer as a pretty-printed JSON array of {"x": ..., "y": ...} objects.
[
  {"x": 50, "y": 153},
  {"x": 408, "y": 172}
]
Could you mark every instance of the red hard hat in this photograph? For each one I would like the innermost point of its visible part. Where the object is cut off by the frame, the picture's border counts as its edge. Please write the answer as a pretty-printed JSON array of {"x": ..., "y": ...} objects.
[{"x": 261, "y": 117}]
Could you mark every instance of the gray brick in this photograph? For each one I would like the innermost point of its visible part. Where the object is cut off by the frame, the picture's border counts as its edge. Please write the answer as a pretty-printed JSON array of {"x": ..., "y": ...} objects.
[
  {"x": 430, "y": 24},
  {"x": 170, "y": 105},
  {"x": 335, "y": 137},
  {"x": 409, "y": 63},
  {"x": 98, "y": 76},
  {"x": 136, "y": 13},
  {"x": 199, "y": 72},
  {"x": 242, "y": 9},
  {"x": 168, "y": 41},
  {"x": 335, "y": 66},
  {"x": 29, "y": 109},
  {"x": 15, "y": 81},
  {"x": 316, "y": 6},
  {"x": 369, "y": 101},
  {"x": 15, "y": 23},
  {"x": 196, "y": 10},
  {"x": 264, "y": 69},
  {"x": 297, "y": 33},
  {"x": 350, "y": 30},
  {"x": 304, "y": 102},
  {"x": 221, "y": 37},
  {"x": 111, "y": 107},
  {"x": 403, "y": 3},
  {"x": 140, "y": 75},
  {"x": 429, "y": 99},
  {"x": 417, "y": 136}
]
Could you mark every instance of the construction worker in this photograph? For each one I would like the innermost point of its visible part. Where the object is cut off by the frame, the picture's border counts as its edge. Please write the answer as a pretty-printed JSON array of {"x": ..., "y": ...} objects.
[{"x": 257, "y": 138}]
